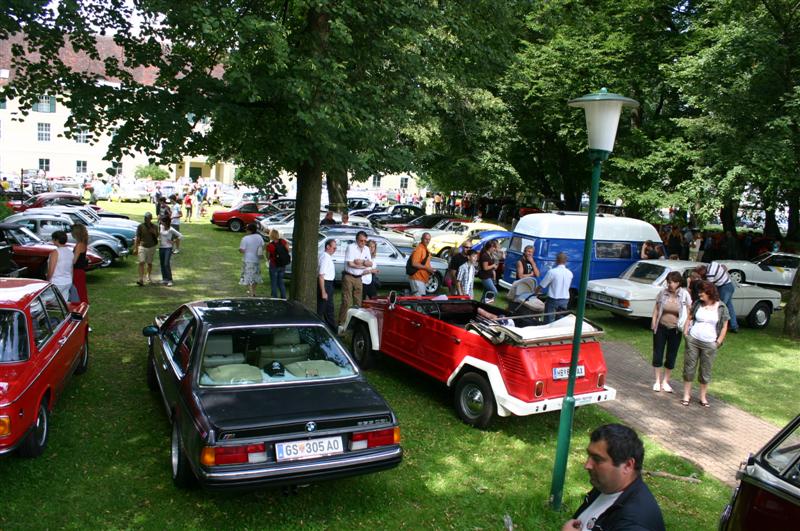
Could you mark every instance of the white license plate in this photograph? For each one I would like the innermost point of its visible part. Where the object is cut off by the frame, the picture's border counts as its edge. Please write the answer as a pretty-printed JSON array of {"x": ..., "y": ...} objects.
[
  {"x": 602, "y": 298},
  {"x": 562, "y": 373},
  {"x": 294, "y": 450}
]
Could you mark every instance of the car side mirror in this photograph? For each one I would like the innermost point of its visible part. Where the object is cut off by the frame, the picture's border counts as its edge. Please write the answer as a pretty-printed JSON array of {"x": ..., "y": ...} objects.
[
  {"x": 392, "y": 299},
  {"x": 150, "y": 331},
  {"x": 76, "y": 316}
]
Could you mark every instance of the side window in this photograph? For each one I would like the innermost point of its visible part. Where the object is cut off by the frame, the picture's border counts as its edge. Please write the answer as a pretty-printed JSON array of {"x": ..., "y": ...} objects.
[
  {"x": 41, "y": 324},
  {"x": 174, "y": 328},
  {"x": 518, "y": 243},
  {"x": 384, "y": 249},
  {"x": 54, "y": 306},
  {"x": 612, "y": 250},
  {"x": 249, "y": 208},
  {"x": 13, "y": 336},
  {"x": 27, "y": 223},
  {"x": 183, "y": 353}
]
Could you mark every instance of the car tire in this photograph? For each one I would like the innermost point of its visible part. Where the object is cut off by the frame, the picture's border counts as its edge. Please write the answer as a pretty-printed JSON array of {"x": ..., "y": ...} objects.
[
  {"x": 182, "y": 475},
  {"x": 150, "y": 372},
  {"x": 362, "y": 346},
  {"x": 434, "y": 283},
  {"x": 83, "y": 364},
  {"x": 760, "y": 315},
  {"x": 474, "y": 400},
  {"x": 445, "y": 253},
  {"x": 107, "y": 255},
  {"x": 737, "y": 276},
  {"x": 235, "y": 225},
  {"x": 36, "y": 441}
]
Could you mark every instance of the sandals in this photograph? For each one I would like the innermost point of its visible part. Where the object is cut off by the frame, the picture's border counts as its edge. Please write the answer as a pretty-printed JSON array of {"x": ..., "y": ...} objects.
[
  {"x": 685, "y": 402},
  {"x": 705, "y": 404}
]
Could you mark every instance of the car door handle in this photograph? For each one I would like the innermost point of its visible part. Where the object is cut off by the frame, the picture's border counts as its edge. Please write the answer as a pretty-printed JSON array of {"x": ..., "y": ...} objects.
[
  {"x": 456, "y": 340},
  {"x": 416, "y": 324},
  {"x": 62, "y": 340}
]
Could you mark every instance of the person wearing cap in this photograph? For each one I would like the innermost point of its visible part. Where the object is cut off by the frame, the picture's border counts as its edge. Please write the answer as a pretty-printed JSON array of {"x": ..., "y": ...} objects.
[{"x": 144, "y": 247}]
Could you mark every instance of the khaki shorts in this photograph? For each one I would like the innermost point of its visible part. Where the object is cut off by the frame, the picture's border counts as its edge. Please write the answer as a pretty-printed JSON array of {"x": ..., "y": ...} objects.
[{"x": 146, "y": 254}]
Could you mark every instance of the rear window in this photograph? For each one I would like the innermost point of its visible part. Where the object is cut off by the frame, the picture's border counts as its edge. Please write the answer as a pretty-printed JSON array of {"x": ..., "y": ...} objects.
[
  {"x": 270, "y": 355},
  {"x": 644, "y": 272},
  {"x": 784, "y": 458},
  {"x": 13, "y": 336}
]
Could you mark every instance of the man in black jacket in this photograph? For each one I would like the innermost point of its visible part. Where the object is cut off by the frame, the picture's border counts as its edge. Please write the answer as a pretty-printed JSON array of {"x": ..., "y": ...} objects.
[{"x": 620, "y": 499}]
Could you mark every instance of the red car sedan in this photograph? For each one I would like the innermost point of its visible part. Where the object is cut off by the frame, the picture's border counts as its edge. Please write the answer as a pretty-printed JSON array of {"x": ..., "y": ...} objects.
[
  {"x": 31, "y": 252},
  {"x": 43, "y": 341},
  {"x": 237, "y": 218}
]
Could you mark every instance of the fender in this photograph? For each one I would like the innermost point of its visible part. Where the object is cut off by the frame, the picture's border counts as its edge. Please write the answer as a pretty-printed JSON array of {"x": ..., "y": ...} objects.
[
  {"x": 367, "y": 317},
  {"x": 495, "y": 380}
]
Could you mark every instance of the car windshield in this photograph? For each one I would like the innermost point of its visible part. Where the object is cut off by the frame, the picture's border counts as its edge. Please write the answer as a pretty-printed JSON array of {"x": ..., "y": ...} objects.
[
  {"x": 272, "y": 355},
  {"x": 13, "y": 336},
  {"x": 761, "y": 257},
  {"x": 644, "y": 272},
  {"x": 442, "y": 224},
  {"x": 784, "y": 457},
  {"x": 24, "y": 236}
]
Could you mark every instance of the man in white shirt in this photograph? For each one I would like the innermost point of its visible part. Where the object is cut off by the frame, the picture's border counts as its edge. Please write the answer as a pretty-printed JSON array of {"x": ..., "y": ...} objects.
[
  {"x": 326, "y": 275},
  {"x": 357, "y": 259},
  {"x": 558, "y": 280},
  {"x": 175, "y": 219},
  {"x": 619, "y": 498}
]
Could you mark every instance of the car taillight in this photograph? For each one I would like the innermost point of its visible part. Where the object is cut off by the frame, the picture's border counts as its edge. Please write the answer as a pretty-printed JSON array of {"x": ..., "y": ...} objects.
[
  {"x": 231, "y": 455},
  {"x": 601, "y": 380},
  {"x": 5, "y": 425},
  {"x": 538, "y": 389},
  {"x": 371, "y": 439}
]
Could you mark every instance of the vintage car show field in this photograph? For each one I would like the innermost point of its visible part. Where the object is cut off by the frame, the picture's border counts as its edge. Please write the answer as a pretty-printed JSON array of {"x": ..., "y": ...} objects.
[{"x": 108, "y": 460}]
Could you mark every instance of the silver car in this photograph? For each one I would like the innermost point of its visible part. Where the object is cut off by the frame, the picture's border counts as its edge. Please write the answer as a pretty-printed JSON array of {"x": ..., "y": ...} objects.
[
  {"x": 44, "y": 225},
  {"x": 391, "y": 262}
]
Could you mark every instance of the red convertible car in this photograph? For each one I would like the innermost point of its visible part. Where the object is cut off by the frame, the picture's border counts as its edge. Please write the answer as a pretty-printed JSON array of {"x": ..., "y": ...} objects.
[
  {"x": 43, "y": 342},
  {"x": 31, "y": 252},
  {"x": 497, "y": 365},
  {"x": 237, "y": 218}
]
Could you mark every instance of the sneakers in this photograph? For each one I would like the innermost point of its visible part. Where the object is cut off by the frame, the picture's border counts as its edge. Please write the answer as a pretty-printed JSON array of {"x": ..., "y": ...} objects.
[
  {"x": 168, "y": 284},
  {"x": 657, "y": 387},
  {"x": 666, "y": 387},
  {"x": 176, "y": 251}
]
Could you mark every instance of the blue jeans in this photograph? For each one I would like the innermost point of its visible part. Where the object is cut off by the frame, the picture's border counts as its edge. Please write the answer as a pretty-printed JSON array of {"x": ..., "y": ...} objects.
[
  {"x": 488, "y": 285},
  {"x": 726, "y": 296},
  {"x": 554, "y": 305},
  {"x": 276, "y": 281},
  {"x": 164, "y": 257}
]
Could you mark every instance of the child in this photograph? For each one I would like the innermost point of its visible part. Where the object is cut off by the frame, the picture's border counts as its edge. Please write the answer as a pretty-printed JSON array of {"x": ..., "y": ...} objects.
[{"x": 466, "y": 274}]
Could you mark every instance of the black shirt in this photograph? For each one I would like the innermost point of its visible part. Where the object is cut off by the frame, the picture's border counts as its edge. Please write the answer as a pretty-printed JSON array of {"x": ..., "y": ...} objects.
[{"x": 457, "y": 261}]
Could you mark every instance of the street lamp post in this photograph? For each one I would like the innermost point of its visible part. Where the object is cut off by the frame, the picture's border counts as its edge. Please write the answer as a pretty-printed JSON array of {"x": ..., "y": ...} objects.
[{"x": 602, "y": 110}]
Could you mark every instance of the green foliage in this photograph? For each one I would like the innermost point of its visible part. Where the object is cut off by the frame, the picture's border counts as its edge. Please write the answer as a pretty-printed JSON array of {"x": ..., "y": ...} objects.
[
  {"x": 5, "y": 211},
  {"x": 151, "y": 171}
]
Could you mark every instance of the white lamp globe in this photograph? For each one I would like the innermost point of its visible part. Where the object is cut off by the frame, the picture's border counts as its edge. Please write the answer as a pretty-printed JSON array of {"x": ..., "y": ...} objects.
[{"x": 602, "y": 116}]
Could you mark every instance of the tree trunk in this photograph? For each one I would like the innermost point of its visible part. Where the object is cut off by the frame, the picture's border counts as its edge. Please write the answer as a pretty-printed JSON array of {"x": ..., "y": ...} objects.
[
  {"x": 771, "y": 229},
  {"x": 794, "y": 216},
  {"x": 728, "y": 216},
  {"x": 337, "y": 189},
  {"x": 791, "y": 325},
  {"x": 305, "y": 235}
]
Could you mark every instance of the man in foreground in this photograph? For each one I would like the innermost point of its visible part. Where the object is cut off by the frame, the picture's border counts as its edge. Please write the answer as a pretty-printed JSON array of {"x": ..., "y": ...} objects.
[
  {"x": 357, "y": 259},
  {"x": 144, "y": 247},
  {"x": 558, "y": 280},
  {"x": 420, "y": 270},
  {"x": 619, "y": 498}
]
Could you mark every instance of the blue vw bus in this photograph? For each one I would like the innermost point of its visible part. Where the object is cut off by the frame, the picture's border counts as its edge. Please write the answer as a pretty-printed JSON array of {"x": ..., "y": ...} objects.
[{"x": 617, "y": 243}]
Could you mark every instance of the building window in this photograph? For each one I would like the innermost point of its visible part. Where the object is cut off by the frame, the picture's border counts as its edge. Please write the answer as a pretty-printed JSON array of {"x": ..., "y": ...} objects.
[
  {"x": 403, "y": 182},
  {"x": 2, "y": 104},
  {"x": 45, "y": 104},
  {"x": 44, "y": 164},
  {"x": 43, "y": 132},
  {"x": 80, "y": 166},
  {"x": 376, "y": 181},
  {"x": 82, "y": 136}
]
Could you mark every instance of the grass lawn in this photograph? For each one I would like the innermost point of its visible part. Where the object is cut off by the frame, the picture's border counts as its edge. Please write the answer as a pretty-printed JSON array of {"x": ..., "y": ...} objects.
[{"x": 107, "y": 465}]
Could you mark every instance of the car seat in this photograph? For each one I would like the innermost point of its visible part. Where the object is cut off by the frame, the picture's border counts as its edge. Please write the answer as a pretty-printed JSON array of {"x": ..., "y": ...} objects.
[
  {"x": 219, "y": 351},
  {"x": 286, "y": 348}
]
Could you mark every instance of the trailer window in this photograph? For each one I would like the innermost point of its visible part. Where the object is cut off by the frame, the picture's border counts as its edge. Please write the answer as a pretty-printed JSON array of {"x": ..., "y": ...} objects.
[{"x": 612, "y": 250}]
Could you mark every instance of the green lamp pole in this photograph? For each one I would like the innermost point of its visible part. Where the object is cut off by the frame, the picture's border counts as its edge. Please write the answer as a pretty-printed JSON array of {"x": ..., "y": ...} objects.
[{"x": 602, "y": 118}]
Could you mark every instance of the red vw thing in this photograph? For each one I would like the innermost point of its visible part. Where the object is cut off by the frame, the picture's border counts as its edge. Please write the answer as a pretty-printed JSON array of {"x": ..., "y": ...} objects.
[
  {"x": 496, "y": 364},
  {"x": 43, "y": 342}
]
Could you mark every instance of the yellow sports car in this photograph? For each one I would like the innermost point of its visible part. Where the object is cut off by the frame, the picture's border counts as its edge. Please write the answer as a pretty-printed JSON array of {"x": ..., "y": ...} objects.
[{"x": 442, "y": 244}]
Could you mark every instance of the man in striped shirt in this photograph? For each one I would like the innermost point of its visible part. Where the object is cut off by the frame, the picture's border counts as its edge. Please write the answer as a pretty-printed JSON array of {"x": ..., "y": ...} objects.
[{"x": 718, "y": 274}]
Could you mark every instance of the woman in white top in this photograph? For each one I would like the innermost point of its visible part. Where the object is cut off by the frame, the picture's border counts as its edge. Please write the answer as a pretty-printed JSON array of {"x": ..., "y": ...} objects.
[
  {"x": 705, "y": 331},
  {"x": 167, "y": 236},
  {"x": 252, "y": 247},
  {"x": 59, "y": 267}
]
